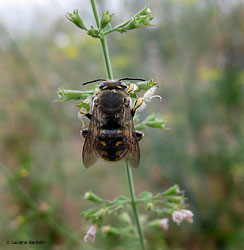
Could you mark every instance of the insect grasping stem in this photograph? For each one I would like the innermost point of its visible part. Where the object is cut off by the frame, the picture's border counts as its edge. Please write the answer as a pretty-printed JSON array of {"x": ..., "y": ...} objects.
[{"x": 128, "y": 169}]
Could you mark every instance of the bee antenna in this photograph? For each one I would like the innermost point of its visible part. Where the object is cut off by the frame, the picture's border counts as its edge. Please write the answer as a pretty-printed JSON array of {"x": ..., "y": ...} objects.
[
  {"x": 93, "y": 81},
  {"x": 131, "y": 78}
]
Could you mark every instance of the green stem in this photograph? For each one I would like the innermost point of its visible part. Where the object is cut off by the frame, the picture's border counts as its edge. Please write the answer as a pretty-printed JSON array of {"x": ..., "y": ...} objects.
[
  {"x": 129, "y": 173},
  {"x": 94, "y": 9},
  {"x": 106, "y": 58},
  {"x": 133, "y": 204},
  {"x": 103, "y": 43}
]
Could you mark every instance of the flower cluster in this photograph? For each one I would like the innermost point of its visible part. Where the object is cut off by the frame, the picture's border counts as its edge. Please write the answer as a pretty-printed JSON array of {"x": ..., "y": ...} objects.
[
  {"x": 183, "y": 214},
  {"x": 164, "y": 205},
  {"x": 141, "y": 19}
]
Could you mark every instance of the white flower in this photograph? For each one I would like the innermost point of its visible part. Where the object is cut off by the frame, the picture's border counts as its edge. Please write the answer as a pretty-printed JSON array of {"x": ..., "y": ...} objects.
[
  {"x": 177, "y": 217},
  {"x": 81, "y": 117},
  {"x": 135, "y": 87},
  {"x": 187, "y": 215},
  {"x": 148, "y": 96},
  {"x": 164, "y": 224},
  {"x": 91, "y": 233},
  {"x": 183, "y": 214}
]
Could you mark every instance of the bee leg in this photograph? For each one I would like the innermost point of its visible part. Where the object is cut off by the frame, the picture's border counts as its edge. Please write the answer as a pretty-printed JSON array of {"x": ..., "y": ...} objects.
[
  {"x": 84, "y": 112},
  {"x": 139, "y": 135},
  {"x": 84, "y": 132},
  {"x": 131, "y": 88},
  {"x": 138, "y": 103}
]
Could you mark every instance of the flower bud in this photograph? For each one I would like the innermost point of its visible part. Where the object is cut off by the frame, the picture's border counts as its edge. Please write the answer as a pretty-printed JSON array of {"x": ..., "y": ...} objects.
[
  {"x": 91, "y": 234},
  {"x": 94, "y": 32},
  {"x": 187, "y": 215},
  {"x": 92, "y": 197},
  {"x": 149, "y": 206},
  {"x": 44, "y": 207},
  {"x": 106, "y": 19},
  {"x": 102, "y": 212},
  {"x": 145, "y": 11},
  {"x": 75, "y": 18},
  {"x": 180, "y": 215},
  {"x": 142, "y": 18},
  {"x": 164, "y": 224},
  {"x": 23, "y": 173}
]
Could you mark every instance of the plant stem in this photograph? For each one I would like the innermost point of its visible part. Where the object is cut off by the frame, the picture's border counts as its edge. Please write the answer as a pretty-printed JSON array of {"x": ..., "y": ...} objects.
[
  {"x": 128, "y": 169},
  {"x": 103, "y": 43},
  {"x": 106, "y": 58},
  {"x": 133, "y": 204},
  {"x": 94, "y": 9}
]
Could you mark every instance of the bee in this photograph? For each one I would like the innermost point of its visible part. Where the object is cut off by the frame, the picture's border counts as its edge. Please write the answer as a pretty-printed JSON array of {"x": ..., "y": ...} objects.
[{"x": 111, "y": 134}]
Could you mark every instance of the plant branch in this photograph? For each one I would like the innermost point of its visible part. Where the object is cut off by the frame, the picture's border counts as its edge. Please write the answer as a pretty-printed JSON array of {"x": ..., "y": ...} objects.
[
  {"x": 94, "y": 9},
  {"x": 133, "y": 204},
  {"x": 106, "y": 58},
  {"x": 103, "y": 43}
]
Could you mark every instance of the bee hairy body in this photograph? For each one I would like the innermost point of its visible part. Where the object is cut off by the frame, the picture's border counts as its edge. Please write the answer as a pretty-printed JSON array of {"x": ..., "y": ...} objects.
[
  {"x": 111, "y": 134},
  {"x": 111, "y": 144}
]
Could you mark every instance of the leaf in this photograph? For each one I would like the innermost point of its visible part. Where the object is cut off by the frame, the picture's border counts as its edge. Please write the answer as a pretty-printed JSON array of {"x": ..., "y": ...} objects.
[
  {"x": 66, "y": 94},
  {"x": 107, "y": 28},
  {"x": 121, "y": 198},
  {"x": 151, "y": 117},
  {"x": 90, "y": 212},
  {"x": 145, "y": 195},
  {"x": 84, "y": 105},
  {"x": 172, "y": 190},
  {"x": 125, "y": 217}
]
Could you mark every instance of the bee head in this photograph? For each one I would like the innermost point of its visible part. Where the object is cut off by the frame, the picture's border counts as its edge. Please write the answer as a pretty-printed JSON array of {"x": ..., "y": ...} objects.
[
  {"x": 117, "y": 84},
  {"x": 113, "y": 84}
]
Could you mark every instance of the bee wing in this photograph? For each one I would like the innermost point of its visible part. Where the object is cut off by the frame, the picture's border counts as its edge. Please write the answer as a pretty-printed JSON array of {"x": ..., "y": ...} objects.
[
  {"x": 133, "y": 157},
  {"x": 89, "y": 155}
]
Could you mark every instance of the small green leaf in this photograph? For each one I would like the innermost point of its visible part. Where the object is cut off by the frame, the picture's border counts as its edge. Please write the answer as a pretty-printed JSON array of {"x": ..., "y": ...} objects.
[
  {"x": 175, "y": 199},
  {"x": 151, "y": 121},
  {"x": 154, "y": 223},
  {"x": 110, "y": 231},
  {"x": 151, "y": 117},
  {"x": 172, "y": 190},
  {"x": 145, "y": 195},
  {"x": 108, "y": 28},
  {"x": 88, "y": 214},
  {"x": 125, "y": 217},
  {"x": 146, "y": 84},
  {"x": 156, "y": 124},
  {"x": 84, "y": 105},
  {"x": 66, "y": 94},
  {"x": 121, "y": 198}
]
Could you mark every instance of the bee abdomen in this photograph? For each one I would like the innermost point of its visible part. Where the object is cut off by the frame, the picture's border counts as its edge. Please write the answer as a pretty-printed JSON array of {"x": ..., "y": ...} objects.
[{"x": 112, "y": 147}]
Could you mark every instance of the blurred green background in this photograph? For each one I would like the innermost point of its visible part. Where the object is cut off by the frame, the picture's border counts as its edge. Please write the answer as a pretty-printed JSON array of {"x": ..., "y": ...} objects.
[{"x": 195, "y": 51}]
